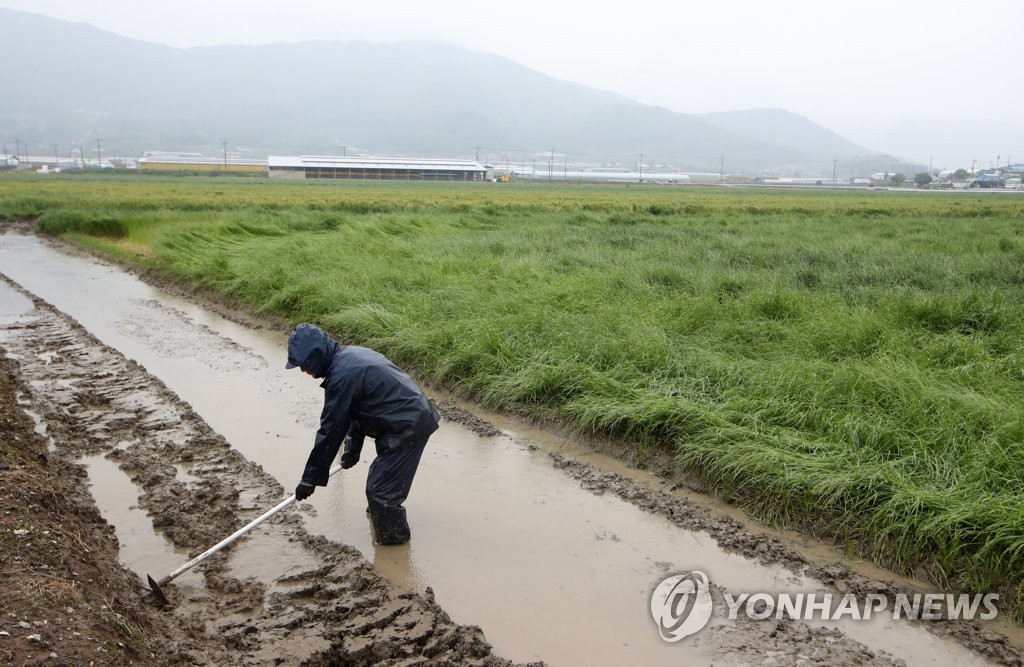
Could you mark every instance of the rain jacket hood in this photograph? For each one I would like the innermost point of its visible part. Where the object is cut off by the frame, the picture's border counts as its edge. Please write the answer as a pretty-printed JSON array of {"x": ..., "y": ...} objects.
[{"x": 310, "y": 347}]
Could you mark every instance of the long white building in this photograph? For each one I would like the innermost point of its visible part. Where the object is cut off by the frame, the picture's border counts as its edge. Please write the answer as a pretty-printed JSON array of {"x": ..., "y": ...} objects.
[{"x": 393, "y": 169}]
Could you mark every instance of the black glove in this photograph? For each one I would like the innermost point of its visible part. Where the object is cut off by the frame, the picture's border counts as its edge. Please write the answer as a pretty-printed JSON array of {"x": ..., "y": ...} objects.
[
  {"x": 304, "y": 490},
  {"x": 348, "y": 459}
]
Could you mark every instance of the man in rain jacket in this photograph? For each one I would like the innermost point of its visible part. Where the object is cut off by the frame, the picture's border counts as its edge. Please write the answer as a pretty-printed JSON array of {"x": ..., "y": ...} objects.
[{"x": 365, "y": 394}]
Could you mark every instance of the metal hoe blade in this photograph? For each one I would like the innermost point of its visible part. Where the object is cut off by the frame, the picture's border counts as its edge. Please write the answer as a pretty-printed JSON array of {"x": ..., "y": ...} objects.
[
  {"x": 157, "y": 591},
  {"x": 157, "y": 587}
]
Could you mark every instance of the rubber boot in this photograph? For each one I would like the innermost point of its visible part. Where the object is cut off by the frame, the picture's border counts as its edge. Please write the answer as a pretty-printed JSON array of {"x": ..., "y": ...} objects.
[{"x": 389, "y": 525}]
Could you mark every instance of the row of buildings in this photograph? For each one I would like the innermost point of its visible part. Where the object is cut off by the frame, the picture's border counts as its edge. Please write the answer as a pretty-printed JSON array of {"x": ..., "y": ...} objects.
[
  {"x": 332, "y": 167},
  {"x": 349, "y": 168},
  {"x": 425, "y": 169},
  {"x": 301, "y": 167},
  {"x": 1011, "y": 176},
  {"x": 394, "y": 169}
]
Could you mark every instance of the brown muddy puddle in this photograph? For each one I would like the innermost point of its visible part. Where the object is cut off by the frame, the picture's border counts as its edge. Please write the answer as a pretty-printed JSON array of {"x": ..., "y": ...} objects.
[
  {"x": 549, "y": 570},
  {"x": 143, "y": 549}
]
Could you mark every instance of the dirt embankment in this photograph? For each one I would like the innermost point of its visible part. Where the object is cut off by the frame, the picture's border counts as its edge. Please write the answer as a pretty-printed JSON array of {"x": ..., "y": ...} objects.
[
  {"x": 64, "y": 598},
  {"x": 67, "y": 600}
]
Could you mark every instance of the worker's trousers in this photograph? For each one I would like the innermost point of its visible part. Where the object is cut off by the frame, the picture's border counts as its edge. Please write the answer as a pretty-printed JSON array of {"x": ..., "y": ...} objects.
[{"x": 388, "y": 483}]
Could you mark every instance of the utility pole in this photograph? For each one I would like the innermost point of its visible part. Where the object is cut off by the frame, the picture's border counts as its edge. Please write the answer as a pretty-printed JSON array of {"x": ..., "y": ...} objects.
[
  {"x": 225, "y": 156},
  {"x": 477, "y": 153},
  {"x": 99, "y": 160},
  {"x": 641, "y": 167},
  {"x": 721, "y": 175},
  {"x": 834, "y": 164},
  {"x": 565, "y": 167},
  {"x": 973, "y": 160}
]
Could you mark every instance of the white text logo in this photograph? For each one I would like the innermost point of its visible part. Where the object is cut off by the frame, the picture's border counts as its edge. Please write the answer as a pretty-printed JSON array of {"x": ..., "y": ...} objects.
[{"x": 917, "y": 607}]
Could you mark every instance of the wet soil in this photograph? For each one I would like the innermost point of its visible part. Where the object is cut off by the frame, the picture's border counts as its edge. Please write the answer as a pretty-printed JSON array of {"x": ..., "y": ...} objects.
[
  {"x": 334, "y": 610},
  {"x": 64, "y": 597},
  {"x": 452, "y": 412}
]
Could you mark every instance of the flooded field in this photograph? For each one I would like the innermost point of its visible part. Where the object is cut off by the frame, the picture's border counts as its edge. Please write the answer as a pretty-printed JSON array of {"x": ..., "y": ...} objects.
[{"x": 188, "y": 424}]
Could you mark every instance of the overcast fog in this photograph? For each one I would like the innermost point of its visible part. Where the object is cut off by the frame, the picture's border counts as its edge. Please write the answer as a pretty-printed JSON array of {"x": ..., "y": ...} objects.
[{"x": 878, "y": 73}]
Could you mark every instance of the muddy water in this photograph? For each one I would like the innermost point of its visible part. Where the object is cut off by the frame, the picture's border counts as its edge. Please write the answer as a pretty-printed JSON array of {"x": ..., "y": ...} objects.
[
  {"x": 13, "y": 304},
  {"x": 143, "y": 549},
  {"x": 506, "y": 541}
]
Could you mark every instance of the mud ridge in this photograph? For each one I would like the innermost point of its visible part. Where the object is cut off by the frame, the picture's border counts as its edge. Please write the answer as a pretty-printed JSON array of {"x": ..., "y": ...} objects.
[
  {"x": 64, "y": 597},
  {"x": 454, "y": 413},
  {"x": 94, "y": 401}
]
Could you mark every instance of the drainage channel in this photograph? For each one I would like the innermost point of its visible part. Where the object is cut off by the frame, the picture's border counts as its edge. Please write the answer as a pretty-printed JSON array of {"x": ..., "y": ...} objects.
[{"x": 549, "y": 570}]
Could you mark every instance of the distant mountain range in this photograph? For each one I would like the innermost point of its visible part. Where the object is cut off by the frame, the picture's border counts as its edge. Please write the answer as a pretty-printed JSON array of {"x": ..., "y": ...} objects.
[{"x": 69, "y": 84}]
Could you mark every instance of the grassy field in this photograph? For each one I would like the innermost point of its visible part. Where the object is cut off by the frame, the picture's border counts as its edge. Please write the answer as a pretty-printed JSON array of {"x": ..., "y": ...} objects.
[{"x": 849, "y": 363}]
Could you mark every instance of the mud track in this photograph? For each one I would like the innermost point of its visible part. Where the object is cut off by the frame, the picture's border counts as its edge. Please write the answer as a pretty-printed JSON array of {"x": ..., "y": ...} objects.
[{"x": 337, "y": 610}]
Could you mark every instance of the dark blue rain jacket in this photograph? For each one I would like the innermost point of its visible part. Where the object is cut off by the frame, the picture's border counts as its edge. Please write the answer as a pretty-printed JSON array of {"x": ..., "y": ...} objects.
[{"x": 363, "y": 391}]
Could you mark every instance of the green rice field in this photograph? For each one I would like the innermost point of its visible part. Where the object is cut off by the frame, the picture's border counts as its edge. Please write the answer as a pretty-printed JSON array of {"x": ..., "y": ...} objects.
[{"x": 849, "y": 363}]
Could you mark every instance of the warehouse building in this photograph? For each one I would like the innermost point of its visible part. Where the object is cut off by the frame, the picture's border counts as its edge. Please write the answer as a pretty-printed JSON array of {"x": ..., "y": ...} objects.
[
  {"x": 199, "y": 164},
  {"x": 391, "y": 169}
]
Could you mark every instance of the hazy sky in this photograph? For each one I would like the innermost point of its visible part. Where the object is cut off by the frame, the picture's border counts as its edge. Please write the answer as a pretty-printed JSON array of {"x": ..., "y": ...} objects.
[{"x": 848, "y": 66}]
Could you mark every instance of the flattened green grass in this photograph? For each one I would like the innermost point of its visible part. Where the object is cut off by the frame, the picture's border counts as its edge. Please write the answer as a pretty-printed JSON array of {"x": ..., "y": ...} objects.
[{"x": 848, "y": 363}]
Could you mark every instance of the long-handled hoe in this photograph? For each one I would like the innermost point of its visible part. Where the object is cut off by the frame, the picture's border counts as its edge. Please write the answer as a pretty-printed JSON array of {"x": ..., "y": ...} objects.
[{"x": 157, "y": 586}]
